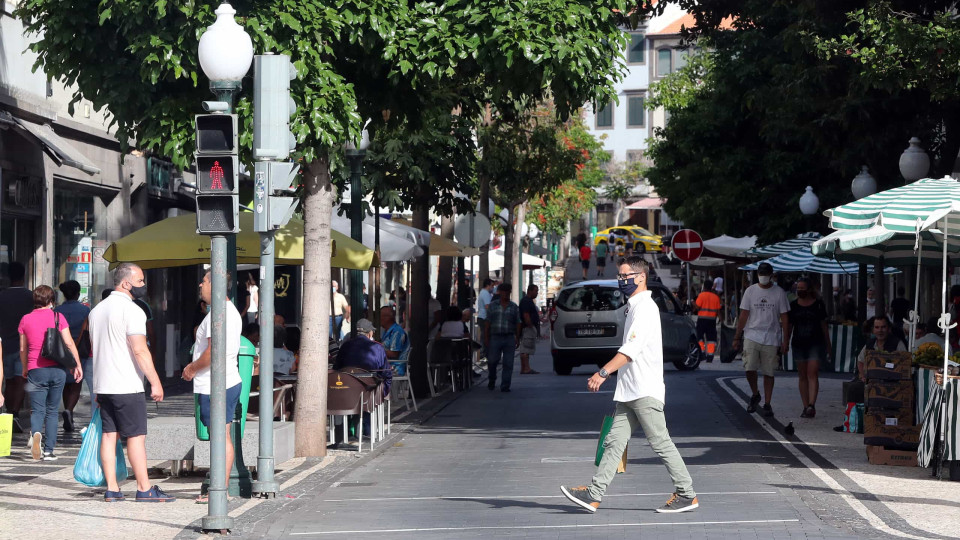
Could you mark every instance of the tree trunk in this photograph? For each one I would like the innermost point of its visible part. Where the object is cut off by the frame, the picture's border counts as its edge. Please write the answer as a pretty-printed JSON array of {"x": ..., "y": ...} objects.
[
  {"x": 445, "y": 267},
  {"x": 418, "y": 300},
  {"x": 509, "y": 248},
  {"x": 310, "y": 412},
  {"x": 483, "y": 269},
  {"x": 519, "y": 214}
]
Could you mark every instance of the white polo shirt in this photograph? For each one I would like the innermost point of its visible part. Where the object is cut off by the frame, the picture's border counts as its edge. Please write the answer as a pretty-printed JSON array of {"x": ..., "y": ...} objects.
[
  {"x": 115, "y": 370},
  {"x": 201, "y": 381},
  {"x": 643, "y": 343}
]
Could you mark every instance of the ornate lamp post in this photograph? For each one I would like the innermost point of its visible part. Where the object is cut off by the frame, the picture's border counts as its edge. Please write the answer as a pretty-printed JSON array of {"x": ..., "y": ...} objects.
[
  {"x": 809, "y": 202},
  {"x": 914, "y": 162},
  {"x": 863, "y": 184},
  {"x": 226, "y": 53},
  {"x": 355, "y": 154}
]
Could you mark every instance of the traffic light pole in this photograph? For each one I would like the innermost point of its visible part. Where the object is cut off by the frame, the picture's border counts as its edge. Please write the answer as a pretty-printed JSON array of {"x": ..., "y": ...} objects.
[
  {"x": 217, "y": 517},
  {"x": 274, "y": 204},
  {"x": 265, "y": 484}
]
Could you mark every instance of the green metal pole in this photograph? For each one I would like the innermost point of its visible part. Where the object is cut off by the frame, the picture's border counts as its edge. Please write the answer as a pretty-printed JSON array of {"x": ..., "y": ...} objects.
[
  {"x": 265, "y": 484},
  {"x": 356, "y": 232},
  {"x": 217, "y": 517}
]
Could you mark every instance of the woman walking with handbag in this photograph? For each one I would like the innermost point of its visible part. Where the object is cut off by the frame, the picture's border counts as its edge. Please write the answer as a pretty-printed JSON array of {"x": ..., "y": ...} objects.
[
  {"x": 46, "y": 351},
  {"x": 810, "y": 342}
]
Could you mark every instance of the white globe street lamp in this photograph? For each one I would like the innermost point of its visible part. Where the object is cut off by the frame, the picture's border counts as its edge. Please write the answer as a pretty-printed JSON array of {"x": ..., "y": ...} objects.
[
  {"x": 534, "y": 230},
  {"x": 226, "y": 53},
  {"x": 809, "y": 202},
  {"x": 914, "y": 162},
  {"x": 864, "y": 184}
]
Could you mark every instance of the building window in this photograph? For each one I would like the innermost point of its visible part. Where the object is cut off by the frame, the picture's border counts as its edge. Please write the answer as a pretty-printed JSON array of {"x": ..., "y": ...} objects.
[
  {"x": 636, "y": 114},
  {"x": 604, "y": 116},
  {"x": 682, "y": 55},
  {"x": 634, "y": 156},
  {"x": 637, "y": 53},
  {"x": 664, "y": 62}
]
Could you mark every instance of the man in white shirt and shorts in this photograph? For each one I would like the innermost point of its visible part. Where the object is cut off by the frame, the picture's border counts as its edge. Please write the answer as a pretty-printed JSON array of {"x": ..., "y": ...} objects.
[
  {"x": 121, "y": 359},
  {"x": 199, "y": 369},
  {"x": 639, "y": 397},
  {"x": 762, "y": 334}
]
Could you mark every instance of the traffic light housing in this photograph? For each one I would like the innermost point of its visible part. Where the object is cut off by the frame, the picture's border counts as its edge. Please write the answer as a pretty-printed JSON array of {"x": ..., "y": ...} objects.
[
  {"x": 218, "y": 174},
  {"x": 273, "y": 107},
  {"x": 274, "y": 187}
]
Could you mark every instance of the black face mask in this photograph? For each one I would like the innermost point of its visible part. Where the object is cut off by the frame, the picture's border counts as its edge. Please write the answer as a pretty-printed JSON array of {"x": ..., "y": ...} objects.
[{"x": 138, "y": 292}]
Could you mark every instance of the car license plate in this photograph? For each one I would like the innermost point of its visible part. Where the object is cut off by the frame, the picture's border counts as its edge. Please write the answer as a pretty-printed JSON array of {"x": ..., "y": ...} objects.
[{"x": 590, "y": 331}]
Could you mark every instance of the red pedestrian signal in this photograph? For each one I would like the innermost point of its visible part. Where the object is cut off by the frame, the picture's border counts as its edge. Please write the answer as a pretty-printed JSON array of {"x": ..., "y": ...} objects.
[{"x": 216, "y": 174}]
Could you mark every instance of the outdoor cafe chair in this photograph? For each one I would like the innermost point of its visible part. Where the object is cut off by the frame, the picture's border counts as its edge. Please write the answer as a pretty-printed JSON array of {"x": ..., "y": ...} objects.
[
  {"x": 440, "y": 358},
  {"x": 281, "y": 394},
  {"x": 373, "y": 400},
  {"x": 401, "y": 383},
  {"x": 345, "y": 397}
]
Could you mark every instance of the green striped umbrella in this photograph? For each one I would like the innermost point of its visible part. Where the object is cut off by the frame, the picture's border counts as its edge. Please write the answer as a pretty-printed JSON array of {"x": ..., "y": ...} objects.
[
  {"x": 868, "y": 245},
  {"x": 922, "y": 204},
  {"x": 793, "y": 244},
  {"x": 802, "y": 260}
]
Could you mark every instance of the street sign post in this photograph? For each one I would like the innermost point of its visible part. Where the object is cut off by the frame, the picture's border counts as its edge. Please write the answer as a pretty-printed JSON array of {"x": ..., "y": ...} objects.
[{"x": 688, "y": 247}]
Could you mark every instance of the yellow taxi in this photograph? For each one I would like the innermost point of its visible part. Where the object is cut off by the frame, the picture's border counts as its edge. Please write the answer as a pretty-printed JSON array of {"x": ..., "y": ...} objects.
[{"x": 641, "y": 239}]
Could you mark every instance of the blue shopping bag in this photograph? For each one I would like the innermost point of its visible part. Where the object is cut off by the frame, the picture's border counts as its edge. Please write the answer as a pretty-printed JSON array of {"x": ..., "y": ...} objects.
[{"x": 87, "y": 469}]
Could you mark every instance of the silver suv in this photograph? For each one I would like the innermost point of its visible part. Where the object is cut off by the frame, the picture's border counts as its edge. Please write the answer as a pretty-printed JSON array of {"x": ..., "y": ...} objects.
[{"x": 587, "y": 320}]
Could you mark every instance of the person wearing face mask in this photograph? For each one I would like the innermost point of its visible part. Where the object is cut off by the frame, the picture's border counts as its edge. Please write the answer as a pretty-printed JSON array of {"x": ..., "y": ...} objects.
[
  {"x": 121, "y": 359},
  {"x": 639, "y": 397},
  {"x": 810, "y": 342},
  {"x": 762, "y": 334}
]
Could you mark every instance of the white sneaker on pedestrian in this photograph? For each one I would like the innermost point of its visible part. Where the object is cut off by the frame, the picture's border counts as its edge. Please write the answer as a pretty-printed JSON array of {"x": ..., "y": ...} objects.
[{"x": 36, "y": 445}]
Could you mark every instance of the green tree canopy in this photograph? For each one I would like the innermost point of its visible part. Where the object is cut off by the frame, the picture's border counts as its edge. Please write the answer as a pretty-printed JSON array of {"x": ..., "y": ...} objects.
[{"x": 765, "y": 112}]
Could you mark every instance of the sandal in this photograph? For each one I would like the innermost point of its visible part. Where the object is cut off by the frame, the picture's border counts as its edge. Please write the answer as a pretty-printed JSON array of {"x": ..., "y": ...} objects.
[
  {"x": 202, "y": 499},
  {"x": 531, "y": 372}
]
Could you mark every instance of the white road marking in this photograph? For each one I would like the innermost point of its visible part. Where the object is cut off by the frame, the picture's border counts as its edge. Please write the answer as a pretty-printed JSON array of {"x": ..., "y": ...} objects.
[
  {"x": 531, "y": 527},
  {"x": 589, "y": 392},
  {"x": 854, "y": 503},
  {"x": 517, "y": 497}
]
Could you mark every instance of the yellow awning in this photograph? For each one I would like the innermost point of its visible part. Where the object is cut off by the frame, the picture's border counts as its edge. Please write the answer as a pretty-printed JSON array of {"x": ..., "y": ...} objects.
[
  {"x": 443, "y": 247},
  {"x": 175, "y": 242}
]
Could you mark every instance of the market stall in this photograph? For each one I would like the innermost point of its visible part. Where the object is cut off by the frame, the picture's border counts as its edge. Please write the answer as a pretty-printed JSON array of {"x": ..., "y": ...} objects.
[{"x": 931, "y": 205}]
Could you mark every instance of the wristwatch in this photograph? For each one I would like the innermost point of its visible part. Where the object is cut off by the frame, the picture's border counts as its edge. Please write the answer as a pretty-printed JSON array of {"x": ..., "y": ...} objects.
[{"x": 603, "y": 373}]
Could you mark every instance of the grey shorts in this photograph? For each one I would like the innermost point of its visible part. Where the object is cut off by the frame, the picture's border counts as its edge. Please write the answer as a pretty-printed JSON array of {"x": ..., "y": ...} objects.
[
  {"x": 528, "y": 341},
  {"x": 764, "y": 359}
]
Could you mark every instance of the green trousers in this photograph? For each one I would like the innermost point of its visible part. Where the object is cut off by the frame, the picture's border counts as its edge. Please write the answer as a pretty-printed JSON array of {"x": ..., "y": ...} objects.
[{"x": 647, "y": 413}]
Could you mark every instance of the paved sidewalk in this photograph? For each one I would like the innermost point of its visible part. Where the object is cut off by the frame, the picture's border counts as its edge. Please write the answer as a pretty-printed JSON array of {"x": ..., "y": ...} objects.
[
  {"x": 41, "y": 500},
  {"x": 907, "y": 498}
]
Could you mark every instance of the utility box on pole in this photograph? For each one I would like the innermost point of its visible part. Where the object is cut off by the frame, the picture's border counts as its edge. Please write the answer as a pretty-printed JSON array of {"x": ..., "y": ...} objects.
[{"x": 218, "y": 173}]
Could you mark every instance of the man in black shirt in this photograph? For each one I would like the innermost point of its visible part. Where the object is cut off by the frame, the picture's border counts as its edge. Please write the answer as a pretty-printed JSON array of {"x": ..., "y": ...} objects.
[
  {"x": 530, "y": 315},
  {"x": 17, "y": 301}
]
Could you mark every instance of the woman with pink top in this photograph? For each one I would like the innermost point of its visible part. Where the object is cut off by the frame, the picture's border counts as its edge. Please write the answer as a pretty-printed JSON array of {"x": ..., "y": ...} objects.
[{"x": 45, "y": 377}]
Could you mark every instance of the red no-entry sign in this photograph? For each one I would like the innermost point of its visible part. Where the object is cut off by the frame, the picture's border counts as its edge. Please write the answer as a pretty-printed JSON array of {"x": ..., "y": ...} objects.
[{"x": 687, "y": 245}]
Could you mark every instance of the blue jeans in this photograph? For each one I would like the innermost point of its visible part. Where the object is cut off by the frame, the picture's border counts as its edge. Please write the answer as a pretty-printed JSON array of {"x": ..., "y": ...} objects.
[
  {"x": 335, "y": 323},
  {"x": 45, "y": 388},
  {"x": 501, "y": 346}
]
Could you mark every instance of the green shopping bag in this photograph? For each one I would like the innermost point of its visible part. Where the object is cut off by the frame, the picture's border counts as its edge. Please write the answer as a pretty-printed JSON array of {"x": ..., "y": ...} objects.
[
  {"x": 6, "y": 433},
  {"x": 245, "y": 362},
  {"x": 604, "y": 431}
]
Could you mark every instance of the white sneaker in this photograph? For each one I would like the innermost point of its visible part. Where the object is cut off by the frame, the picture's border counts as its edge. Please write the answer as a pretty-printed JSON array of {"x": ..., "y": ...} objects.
[{"x": 36, "y": 445}]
